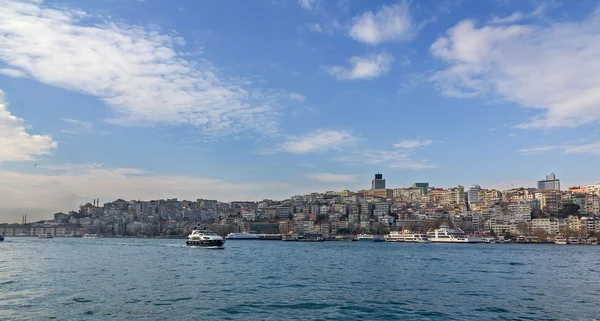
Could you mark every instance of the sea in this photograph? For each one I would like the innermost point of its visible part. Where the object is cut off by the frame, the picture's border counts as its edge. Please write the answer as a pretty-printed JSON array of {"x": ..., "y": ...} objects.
[{"x": 162, "y": 279}]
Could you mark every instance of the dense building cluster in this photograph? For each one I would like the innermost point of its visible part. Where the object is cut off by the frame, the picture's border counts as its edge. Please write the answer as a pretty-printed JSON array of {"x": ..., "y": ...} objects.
[{"x": 543, "y": 211}]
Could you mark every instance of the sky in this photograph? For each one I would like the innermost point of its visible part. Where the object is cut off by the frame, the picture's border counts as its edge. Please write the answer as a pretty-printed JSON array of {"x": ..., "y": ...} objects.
[{"x": 247, "y": 100}]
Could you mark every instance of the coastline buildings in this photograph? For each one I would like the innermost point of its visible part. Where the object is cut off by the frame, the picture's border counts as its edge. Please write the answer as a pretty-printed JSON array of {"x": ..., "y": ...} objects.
[{"x": 517, "y": 211}]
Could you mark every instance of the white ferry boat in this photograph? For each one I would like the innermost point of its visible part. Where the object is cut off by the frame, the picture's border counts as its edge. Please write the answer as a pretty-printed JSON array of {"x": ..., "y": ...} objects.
[
  {"x": 91, "y": 236},
  {"x": 45, "y": 236},
  {"x": 242, "y": 236},
  {"x": 365, "y": 237},
  {"x": 445, "y": 234},
  {"x": 573, "y": 240},
  {"x": 406, "y": 236},
  {"x": 560, "y": 240},
  {"x": 205, "y": 238}
]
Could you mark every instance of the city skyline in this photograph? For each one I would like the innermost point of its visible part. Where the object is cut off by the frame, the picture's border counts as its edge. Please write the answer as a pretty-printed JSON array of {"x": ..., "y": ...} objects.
[{"x": 150, "y": 100}]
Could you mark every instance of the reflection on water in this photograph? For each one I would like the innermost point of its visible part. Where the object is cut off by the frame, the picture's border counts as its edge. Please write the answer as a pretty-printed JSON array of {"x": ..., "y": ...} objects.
[{"x": 70, "y": 278}]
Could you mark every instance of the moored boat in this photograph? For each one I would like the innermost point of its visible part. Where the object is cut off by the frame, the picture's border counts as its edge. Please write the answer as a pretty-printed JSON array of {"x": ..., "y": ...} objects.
[
  {"x": 311, "y": 238},
  {"x": 205, "y": 239},
  {"x": 561, "y": 240},
  {"x": 289, "y": 237},
  {"x": 91, "y": 236},
  {"x": 45, "y": 236},
  {"x": 406, "y": 236},
  {"x": 365, "y": 237},
  {"x": 445, "y": 234},
  {"x": 573, "y": 240},
  {"x": 242, "y": 236}
]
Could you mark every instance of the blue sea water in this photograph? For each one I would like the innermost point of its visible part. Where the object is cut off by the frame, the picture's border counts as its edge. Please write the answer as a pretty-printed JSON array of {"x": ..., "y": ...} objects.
[{"x": 158, "y": 279}]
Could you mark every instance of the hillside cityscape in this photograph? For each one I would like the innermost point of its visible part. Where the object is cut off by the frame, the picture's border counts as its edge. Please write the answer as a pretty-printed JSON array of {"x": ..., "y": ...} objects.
[{"x": 535, "y": 212}]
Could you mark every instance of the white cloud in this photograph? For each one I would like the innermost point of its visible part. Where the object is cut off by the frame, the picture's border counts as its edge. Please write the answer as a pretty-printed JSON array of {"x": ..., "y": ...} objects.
[
  {"x": 412, "y": 143},
  {"x": 297, "y": 97},
  {"x": 16, "y": 144},
  {"x": 64, "y": 188},
  {"x": 79, "y": 123},
  {"x": 12, "y": 72},
  {"x": 402, "y": 157},
  {"x": 514, "y": 17},
  {"x": 395, "y": 159},
  {"x": 591, "y": 148},
  {"x": 136, "y": 70},
  {"x": 309, "y": 4},
  {"x": 368, "y": 67},
  {"x": 391, "y": 23},
  {"x": 331, "y": 178},
  {"x": 319, "y": 141},
  {"x": 315, "y": 27},
  {"x": 553, "y": 68},
  {"x": 518, "y": 16}
]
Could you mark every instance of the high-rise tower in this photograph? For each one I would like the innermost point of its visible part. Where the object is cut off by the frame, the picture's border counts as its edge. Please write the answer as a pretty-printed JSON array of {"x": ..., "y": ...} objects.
[{"x": 378, "y": 182}]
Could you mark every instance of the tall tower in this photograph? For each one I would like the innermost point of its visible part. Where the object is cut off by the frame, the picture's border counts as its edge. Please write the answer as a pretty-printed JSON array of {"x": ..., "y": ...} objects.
[{"x": 378, "y": 182}]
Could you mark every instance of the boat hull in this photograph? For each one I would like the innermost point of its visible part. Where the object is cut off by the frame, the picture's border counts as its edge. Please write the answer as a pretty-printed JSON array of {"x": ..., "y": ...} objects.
[
  {"x": 206, "y": 243},
  {"x": 1, "y": 238}
]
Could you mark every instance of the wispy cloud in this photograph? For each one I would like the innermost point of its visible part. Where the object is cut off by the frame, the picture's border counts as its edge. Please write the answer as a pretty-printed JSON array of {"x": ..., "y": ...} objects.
[
  {"x": 78, "y": 123},
  {"x": 391, "y": 23},
  {"x": 320, "y": 141},
  {"x": 16, "y": 144},
  {"x": 13, "y": 73},
  {"x": 315, "y": 27},
  {"x": 297, "y": 97},
  {"x": 404, "y": 156},
  {"x": 331, "y": 178},
  {"x": 591, "y": 148},
  {"x": 518, "y": 16},
  {"x": 368, "y": 67},
  {"x": 412, "y": 143},
  {"x": 309, "y": 4},
  {"x": 552, "y": 68},
  {"x": 136, "y": 70}
]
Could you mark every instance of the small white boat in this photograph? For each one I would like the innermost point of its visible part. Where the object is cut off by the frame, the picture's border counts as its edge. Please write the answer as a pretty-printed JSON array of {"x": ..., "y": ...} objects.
[
  {"x": 445, "y": 234},
  {"x": 205, "y": 239},
  {"x": 91, "y": 236},
  {"x": 242, "y": 236},
  {"x": 561, "y": 240},
  {"x": 45, "y": 236}
]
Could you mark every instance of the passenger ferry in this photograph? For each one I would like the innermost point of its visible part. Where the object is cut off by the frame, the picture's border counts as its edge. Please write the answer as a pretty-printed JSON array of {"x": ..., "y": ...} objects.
[
  {"x": 45, "y": 236},
  {"x": 445, "y": 234},
  {"x": 406, "y": 236},
  {"x": 561, "y": 240},
  {"x": 365, "y": 237},
  {"x": 573, "y": 240},
  {"x": 242, "y": 236},
  {"x": 205, "y": 239}
]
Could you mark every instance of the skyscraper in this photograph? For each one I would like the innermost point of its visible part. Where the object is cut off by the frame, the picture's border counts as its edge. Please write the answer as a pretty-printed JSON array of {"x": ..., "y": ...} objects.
[
  {"x": 550, "y": 183},
  {"x": 378, "y": 182}
]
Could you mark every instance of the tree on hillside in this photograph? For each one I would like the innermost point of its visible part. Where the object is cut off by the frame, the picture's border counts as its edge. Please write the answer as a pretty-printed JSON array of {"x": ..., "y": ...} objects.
[{"x": 569, "y": 209}]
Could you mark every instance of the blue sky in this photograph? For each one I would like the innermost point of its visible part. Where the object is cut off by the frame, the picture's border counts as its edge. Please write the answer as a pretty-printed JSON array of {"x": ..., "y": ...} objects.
[{"x": 266, "y": 99}]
